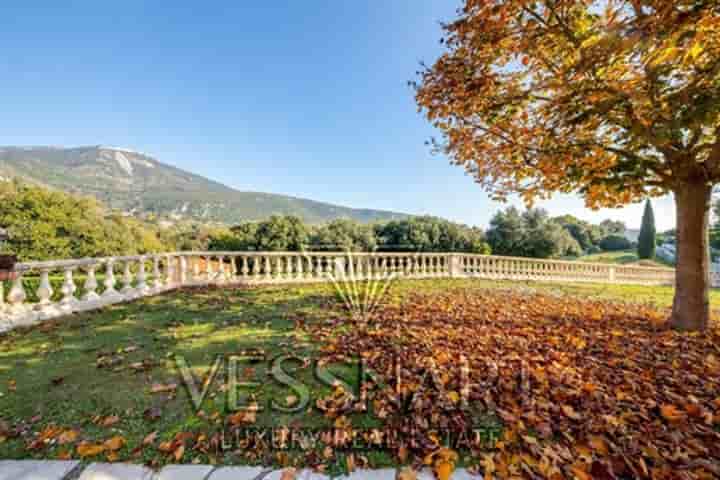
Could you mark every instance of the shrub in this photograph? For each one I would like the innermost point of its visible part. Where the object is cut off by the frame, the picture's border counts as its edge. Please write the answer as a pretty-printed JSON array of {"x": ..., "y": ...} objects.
[{"x": 614, "y": 243}]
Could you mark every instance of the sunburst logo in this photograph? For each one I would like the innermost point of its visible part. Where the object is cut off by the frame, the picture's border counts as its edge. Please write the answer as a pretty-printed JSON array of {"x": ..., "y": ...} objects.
[{"x": 362, "y": 280}]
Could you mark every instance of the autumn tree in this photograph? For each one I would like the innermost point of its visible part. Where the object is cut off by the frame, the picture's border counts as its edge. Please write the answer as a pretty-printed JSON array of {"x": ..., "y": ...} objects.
[
  {"x": 648, "y": 234},
  {"x": 616, "y": 99}
]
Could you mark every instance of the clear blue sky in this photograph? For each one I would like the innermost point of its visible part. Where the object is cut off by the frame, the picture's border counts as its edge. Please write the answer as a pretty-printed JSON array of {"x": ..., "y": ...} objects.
[{"x": 307, "y": 98}]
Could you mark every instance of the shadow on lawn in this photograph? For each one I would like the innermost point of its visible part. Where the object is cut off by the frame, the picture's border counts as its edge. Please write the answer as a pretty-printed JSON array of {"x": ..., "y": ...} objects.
[{"x": 73, "y": 368}]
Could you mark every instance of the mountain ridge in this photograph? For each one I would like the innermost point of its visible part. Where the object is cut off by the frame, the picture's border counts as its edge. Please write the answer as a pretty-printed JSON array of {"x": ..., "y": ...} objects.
[{"x": 141, "y": 185}]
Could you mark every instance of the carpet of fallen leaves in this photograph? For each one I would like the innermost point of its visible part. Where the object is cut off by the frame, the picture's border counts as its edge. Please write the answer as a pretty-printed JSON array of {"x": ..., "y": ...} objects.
[{"x": 582, "y": 388}]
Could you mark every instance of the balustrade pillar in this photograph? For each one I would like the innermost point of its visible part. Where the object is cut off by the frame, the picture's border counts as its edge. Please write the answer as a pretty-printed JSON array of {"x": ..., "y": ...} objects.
[
  {"x": 169, "y": 271},
  {"x": 142, "y": 286},
  {"x": 127, "y": 280},
  {"x": 196, "y": 269},
  {"x": 17, "y": 295},
  {"x": 158, "y": 282},
  {"x": 267, "y": 268},
  {"x": 44, "y": 291},
  {"x": 91, "y": 285},
  {"x": 110, "y": 292},
  {"x": 68, "y": 290},
  {"x": 221, "y": 275},
  {"x": 208, "y": 269}
]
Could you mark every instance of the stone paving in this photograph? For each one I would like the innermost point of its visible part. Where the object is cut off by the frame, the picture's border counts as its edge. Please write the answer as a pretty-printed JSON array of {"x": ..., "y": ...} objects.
[{"x": 52, "y": 470}]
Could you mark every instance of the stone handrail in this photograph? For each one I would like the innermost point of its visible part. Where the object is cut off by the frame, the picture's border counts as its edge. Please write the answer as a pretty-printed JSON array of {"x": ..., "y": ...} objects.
[{"x": 44, "y": 290}]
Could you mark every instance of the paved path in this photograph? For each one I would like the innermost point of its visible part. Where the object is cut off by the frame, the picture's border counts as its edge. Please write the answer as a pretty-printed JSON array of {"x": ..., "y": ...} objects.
[{"x": 49, "y": 470}]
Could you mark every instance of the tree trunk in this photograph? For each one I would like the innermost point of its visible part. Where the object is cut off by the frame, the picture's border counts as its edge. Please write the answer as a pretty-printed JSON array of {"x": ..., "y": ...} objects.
[{"x": 691, "y": 306}]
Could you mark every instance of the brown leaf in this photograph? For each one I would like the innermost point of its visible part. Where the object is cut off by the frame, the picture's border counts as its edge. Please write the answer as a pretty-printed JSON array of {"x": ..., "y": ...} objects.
[
  {"x": 671, "y": 413},
  {"x": 150, "y": 438},
  {"x": 110, "y": 421},
  {"x": 163, "y": 388},
  {"x": 89, "y": 450},
  {"x": 179, "y": 452},
  {"x": 68, "y": 436},
  {"x": 115, "y": 443}
]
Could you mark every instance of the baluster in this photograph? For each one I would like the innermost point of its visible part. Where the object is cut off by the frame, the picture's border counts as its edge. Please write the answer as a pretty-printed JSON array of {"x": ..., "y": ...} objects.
[
  {"x": 196, "y": 269},
  {"x": 255, "y": 266},
  {"x": 127, "y": 280},
  {"x": 110, "y": 292},
  {"x": 317, "y": 267},
  {"x": 44, "y": 291},
  {"x": 286, "y": 273},
  {"x": 364, "y": 267},
  {"x": 208, "y": 269},
  {"x": 279, "y": 268},
  {"x": 68, "y": 290},
  {"x": 299, "y": 273},
  {"x": 227, "y": 268},
  {"x": 183, "y": 276},
  {"x": 158, "y": 282},
  {"x": 220, "y": 277},
  {"x": 142, "y": 286},
  {"x": 234, "y": 268},
  {"x": 169, "y": 271},
  {"x": 17, "y": 295},
  {"x": 267, "y": 268},
  {"x": 244, "y": 267},
  {"x": 91, "y": 285}
]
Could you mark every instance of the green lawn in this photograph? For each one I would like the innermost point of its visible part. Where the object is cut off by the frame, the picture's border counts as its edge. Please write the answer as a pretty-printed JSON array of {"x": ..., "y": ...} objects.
[
  {"x": 623, "y": 257},
  {"x": 75, "y": 373}
]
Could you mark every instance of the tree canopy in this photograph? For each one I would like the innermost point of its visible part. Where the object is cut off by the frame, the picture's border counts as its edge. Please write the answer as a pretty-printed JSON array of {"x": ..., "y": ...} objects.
[
  {"x": 618, "y": 100},
  {"x": 48, "y": 225}
]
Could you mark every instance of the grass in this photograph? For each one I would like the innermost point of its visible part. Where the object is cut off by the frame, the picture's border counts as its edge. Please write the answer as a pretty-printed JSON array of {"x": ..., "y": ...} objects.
[
  {"x": 76, "y": 372},
  {"x": 624, "y": 257}
]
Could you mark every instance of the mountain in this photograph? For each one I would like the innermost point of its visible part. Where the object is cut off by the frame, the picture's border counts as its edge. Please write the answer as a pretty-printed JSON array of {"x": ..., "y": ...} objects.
[{"x": 139, "y": 184}]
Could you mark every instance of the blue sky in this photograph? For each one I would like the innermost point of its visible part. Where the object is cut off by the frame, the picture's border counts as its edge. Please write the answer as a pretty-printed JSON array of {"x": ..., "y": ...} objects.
[{"x": 302, "y": 98}]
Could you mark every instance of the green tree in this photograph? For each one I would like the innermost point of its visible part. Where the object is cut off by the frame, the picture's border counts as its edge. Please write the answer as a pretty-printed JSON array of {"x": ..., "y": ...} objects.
[
  {"x": 506, "y": 234},
  {"x": 48, "y": 225},
  {"x": 615, "y": 243},
  {"x": 344, "y": 235},
  {"x": 646, "y": 240},
  {"x": 430, "y": 234}
]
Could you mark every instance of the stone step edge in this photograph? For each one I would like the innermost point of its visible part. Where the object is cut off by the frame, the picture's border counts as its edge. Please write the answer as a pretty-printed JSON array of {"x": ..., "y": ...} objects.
[{"x": 46, "y": 470}]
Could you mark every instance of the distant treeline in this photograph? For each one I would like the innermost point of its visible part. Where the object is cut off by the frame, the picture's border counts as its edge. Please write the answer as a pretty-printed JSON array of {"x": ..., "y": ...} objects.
[
  {"x": 288, "y": 233},
  {"x": 47, "y": 224},
  {"x": 528, "y": 234}
]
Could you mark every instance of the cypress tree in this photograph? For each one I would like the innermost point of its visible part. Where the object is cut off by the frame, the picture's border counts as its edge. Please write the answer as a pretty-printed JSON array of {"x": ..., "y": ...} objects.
[{"x": 646, "y": 240}]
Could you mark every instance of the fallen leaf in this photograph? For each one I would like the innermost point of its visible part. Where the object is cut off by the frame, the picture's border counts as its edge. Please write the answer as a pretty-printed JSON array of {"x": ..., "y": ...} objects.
[
  {"x": 110, "y": 421},
  {"x": 150, "y": 438},
  {"x": 163, "y": 388},
  {"x": 89, "y": 450},
  {"x": 179, "y": 452},
  {"x": 671, "y": 413},
  {"x": 68, "y": 436},
  {"x": 115, "y": 443}
]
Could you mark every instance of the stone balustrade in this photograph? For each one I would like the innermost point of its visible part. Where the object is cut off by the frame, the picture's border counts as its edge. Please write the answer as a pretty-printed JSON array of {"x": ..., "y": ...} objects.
[{"x": 44, "y": 290}]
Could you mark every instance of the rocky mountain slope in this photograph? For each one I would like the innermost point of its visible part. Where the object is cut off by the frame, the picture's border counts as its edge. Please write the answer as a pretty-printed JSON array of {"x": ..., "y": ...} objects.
[{"x": 139, "y": 184}]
